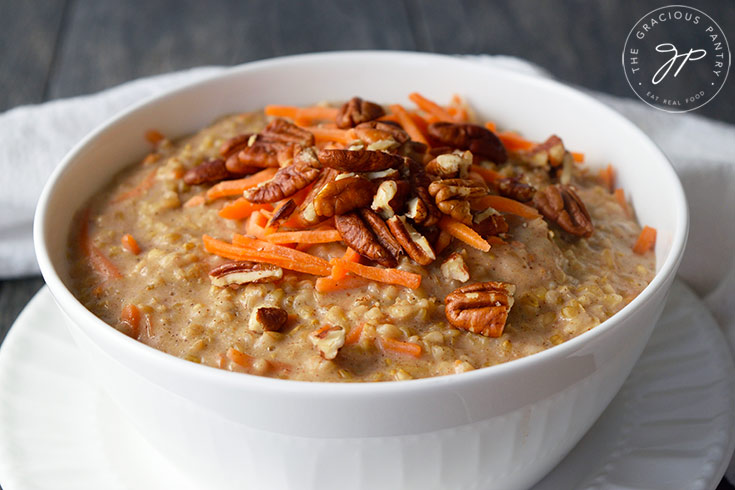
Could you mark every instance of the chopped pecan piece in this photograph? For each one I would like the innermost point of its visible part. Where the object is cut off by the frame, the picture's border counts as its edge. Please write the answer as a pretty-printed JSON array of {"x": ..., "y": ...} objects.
[
  {"x": 359, "y": 160},
  {"x": 450, "y": 165},
  {"x": 367, "y": 234},
  {"x": 549, "y": 154},
  {"x": 288, "y": 180},
  {"x": 267, "y": 319},
  {"x": 328, "y": 340},
  {"x": 306, "y": 211},
  {"x": 242, "y": 272},
  {"x": 390, "y": 197},
  {"x": 452, "y": 197},
  {"x": 356, "y": 111},
  {"x": 281, "y": 213},
  {"x": 413, "y": 150},
  {"x": 375, "y": 131},
  {"x": 515, "y": 189},
  {"x": 481, "y": 308},
  {"x": 560, "y": 204},
  {"x": 207, "y": 172},
  {"x": 454, "y": 269},
  {"x": 414, "y": 243},
  {"x": 489, "y": 223},
  {"x": 480, "y": 141},
  {"x": 342, "y": 195},
  {"x": 421, "y": 209},
  {"x": 263, "y": 149}
]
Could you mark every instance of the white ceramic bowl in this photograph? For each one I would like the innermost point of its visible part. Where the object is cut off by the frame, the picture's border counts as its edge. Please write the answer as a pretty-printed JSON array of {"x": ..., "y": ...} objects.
[{"x": 501, "y": 427}]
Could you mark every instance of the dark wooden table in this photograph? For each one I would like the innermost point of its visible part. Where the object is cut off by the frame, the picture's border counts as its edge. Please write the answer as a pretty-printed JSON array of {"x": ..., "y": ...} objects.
[{"x": 51, "y": 49}]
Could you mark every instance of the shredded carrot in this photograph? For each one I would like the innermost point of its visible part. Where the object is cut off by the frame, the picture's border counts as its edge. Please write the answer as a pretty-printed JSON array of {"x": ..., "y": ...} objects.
[
  {"x": 463, "y": 232},
  {"x": 139, "y": 189},
  {"x": 130, "y": 244},
  {"x": 239, "y": 358},
  {"x": 491, "y": 126},
  {"x": 430, "y": 107},
  {"x": 487, "y": 174},
  {"x": 151, "y": 158},
  {"x": 389, "y": 117},
  {"x": 607, "y": 176},
  {"x": 620, "y": 197},
  {"x": 405, "y": 120},
  {"x": 241, "y": 208},
  {"x": 246, "y": 248},
  {"x": 99, "y": 261},
  {"x": 238, "y": 186},
  {"x": 354, "y": 335},
  {"x": 313, "y": 113},
  {"x": 646, "y": 240},
  {"x": 514, "y": 141},
  {"x": 329, "y": 135},
  {"x": 578, "y": 157},
  {"x": 387, "y": 344},
  {"x": 194, "y": 201},
  {"x": 154, "y": 137},
  {"x": 256, "y": 224},
  {"x": 379, "y": 274},
  {"x": 458, "y": 109},
  {"x": 130, "y": 316},
  {"x": 307, "y": 236},
  {"x": 331, "y": 284},
  {"x": 339, "y": 272},
  {"x": 442, "y": 241},
  {"x": 505, "y": 205}
]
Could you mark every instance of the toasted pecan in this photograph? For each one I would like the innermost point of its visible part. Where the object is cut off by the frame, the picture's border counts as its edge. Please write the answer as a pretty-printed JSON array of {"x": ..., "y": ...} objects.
[
  {"x": 288, "y": 180},
  {"x": 356, "y": 111},
  {"x": 359, "y": 160},
  {"x": 480, "y": 141},
  {"x": 561, "y": 204},
  {"x": 481, "y": 308}
]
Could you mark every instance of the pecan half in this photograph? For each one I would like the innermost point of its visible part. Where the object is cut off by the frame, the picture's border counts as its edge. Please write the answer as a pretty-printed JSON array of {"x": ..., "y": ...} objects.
[
  {"x": 367, "y": 234},
  {"x": 450, "y": 165},
  {"x": 359, "y": 160},
  {"x": 374, "y": 131},
  {"x": 414, "y": 150},
  {"x": 549, "y": 154},
  {"x": 209, "y": 171},
  {"x": 515, "y": 189},
  {"x": 356, "y": 111},
  {"x": 480, "y": 141},
  {"x": 288, "y": 180},
  {"x": 242, "y": 272},
  {"x": 342, "y": 195},
  {"x": 481, "y": 308},
  {"x": 263, "y": 149},
  {"x": 413, "y": 243},
  {"x": 452, "y": 197},
  {"x": 328, "y": 341},
  {"x": 267, "y": 319},
  {"x": 560, "y": 204}
]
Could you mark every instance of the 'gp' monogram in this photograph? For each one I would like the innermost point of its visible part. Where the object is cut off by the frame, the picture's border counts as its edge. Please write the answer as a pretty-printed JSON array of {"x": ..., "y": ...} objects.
[{"x": 658, "y": 77}]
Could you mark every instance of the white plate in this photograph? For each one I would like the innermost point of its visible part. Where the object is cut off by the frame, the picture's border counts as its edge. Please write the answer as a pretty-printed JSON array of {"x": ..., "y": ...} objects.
[{"x": 671, "y": 426}]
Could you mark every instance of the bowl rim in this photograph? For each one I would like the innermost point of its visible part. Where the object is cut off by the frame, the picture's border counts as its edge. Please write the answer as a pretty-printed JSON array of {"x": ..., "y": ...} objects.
[{"x": 238, "y": 380}]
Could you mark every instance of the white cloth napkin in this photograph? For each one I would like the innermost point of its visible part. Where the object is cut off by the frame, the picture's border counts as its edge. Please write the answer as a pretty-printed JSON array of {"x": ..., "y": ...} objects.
[{"x": 33, "y": 139}]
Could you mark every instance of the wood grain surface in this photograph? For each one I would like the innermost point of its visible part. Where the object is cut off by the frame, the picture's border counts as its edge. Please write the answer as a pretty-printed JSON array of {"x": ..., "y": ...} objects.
[{"x": 51, "y": 49}]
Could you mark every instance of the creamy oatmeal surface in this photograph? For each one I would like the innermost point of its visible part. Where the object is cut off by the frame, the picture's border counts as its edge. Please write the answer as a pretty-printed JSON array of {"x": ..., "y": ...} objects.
[{"x": 140, "y": 264}]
